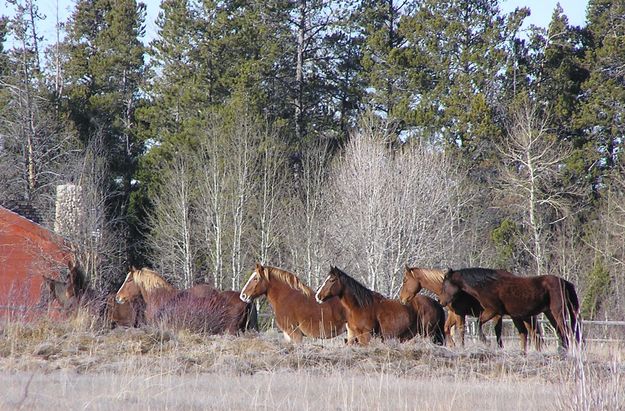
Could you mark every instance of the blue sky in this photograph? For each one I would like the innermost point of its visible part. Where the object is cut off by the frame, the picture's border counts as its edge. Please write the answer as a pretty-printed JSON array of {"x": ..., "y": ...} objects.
[{"x": 541, "y": 11}]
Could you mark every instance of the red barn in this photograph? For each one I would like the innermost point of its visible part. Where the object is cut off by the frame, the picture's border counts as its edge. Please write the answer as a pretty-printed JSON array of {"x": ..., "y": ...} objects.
[{"x": 27, "y": 251}]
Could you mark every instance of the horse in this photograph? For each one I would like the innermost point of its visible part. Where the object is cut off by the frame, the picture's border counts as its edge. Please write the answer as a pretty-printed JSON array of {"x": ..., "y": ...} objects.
[
  {"x": 74, "y": 293},
  {"x": 128, "y": 314},
  {"x": 295, "y": 309},
  {"x": 464, "y": 304},
  {"x": 519, "y": 297},
  {"x": 223, "y": 311},
  {"x": 368, "y": 312},
  {"x": 56, "y": 290},
  {"x": 430, "y": 318}
]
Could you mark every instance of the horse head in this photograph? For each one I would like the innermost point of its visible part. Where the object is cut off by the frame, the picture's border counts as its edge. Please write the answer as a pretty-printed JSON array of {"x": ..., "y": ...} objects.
[
  {"x": 410, "y": 286},
  {"x": 451, "y": 288},
  {"x": 255, "y": 286},
  {"x": 129, "y": 289},
  {"x": 331, "y": 286}
]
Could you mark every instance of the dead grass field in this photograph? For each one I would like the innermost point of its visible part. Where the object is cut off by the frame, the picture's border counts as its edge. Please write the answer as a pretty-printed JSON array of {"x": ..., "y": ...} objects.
[{"x": 77, "y": 365}]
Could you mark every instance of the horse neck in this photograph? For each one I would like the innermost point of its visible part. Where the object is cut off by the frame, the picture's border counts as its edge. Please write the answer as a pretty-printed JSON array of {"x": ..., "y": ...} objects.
[
  {"x": 277, "y": 289},
  {"x": 428, "y": 282},
  {"x": 349, "y": 301}
]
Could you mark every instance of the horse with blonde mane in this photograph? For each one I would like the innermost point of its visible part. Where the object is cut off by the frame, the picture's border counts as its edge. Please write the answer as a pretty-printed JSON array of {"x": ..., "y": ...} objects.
[
  {"x": 295, "y": 309},
  {"x": 201, "y": 307},
  {"x": 416, "y": 278}
]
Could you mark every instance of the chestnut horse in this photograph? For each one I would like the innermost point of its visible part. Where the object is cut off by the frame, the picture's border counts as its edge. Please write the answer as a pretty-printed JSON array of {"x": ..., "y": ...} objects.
[
  {"x": 368, "y": 312},
  {"x": 295, "y": 309},
  {"x": 416, "y": 278},
  {"x": 200, "y": 307},
  {"x": 519, "y": 297},
  {"x": 128, "y": 314}
]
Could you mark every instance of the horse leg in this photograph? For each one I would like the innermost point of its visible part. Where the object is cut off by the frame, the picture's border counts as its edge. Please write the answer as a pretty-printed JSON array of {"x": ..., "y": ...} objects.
[
  {"x": 295, "y": 336},
  {"x": 498, "y": 329},
  {"x": 522, "y": 329},
  {"x": 450, "y": 322},
  {"x": 485, "y": 316},
  {"x": 560, "y": 328},
  {"x": 534, "y": 330}
]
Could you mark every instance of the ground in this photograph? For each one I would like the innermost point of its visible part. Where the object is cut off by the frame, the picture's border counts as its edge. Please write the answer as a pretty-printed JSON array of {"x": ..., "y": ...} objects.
[{"x": 68, "y": 365}]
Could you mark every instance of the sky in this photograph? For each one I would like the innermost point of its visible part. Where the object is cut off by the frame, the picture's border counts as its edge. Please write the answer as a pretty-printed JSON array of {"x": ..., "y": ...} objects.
[{"x": 541, "y": 11}]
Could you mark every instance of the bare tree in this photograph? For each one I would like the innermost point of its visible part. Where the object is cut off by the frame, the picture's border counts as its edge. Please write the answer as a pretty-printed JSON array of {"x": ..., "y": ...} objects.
[
  {"x": 173, "y": 222},
  {"x": 86, "y": 219},
  {"x": 388, "y": 207},
  {"x": 307, "y": 211},
  {"x": 532, "y": 180}
]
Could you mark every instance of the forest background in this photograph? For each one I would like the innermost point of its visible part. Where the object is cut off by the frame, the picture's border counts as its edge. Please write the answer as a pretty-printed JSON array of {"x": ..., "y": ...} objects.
[{"x": 363, "y": 134}]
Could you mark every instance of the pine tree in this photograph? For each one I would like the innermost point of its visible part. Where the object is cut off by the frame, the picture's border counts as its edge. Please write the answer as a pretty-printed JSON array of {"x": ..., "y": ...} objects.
[
  {"x": 602, "y": 112},
  {"x": 104, "y": 69}
]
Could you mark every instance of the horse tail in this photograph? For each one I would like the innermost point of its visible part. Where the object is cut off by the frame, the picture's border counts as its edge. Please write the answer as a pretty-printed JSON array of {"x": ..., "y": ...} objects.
[
  {"x": 572, "y": 305},
  {"x": 251, "y": 322}
]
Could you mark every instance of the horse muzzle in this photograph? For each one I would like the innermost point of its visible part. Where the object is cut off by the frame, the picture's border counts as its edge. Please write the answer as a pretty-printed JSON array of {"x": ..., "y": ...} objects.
[
  {"x": 245, "y": 298},
  {"x": 119, "y": 300}
]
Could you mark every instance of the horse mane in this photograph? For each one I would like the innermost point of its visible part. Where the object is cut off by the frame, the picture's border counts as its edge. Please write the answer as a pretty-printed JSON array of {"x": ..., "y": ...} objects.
[
  {"x": 363, "y": 295},
  {"x": 77, "y": 279},
  {"x": 434, "y": 275},
  {"x": 150, "y": 280},
  {"x": 476, "y": 277},
  {"x": 289, "y": 279}
]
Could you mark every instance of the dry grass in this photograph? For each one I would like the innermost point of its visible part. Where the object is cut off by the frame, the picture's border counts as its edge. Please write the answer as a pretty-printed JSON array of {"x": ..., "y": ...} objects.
[{"x": 78, "y": 365}]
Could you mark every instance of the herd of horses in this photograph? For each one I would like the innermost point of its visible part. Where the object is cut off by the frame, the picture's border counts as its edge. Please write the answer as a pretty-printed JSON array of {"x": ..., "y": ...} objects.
[{"x": 341, "y": 304}]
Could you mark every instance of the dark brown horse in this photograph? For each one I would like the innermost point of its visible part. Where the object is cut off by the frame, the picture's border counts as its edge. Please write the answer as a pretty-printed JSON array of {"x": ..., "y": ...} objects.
[
  {"x": 430, "y": 318},
  {"x": 201, "y": 307},
  {"x": 368, "y": 312},
  {"x": 519, "y": 297},
  {"x": 464, "y": 304},
  {"x": 294, "y": 306}
]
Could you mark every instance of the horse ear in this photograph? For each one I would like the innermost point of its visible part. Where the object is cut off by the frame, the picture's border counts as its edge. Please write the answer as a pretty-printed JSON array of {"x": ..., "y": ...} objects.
[
  {"x": 259, "y": 268},
  {"x": 448, "y": 272},
  {"x": 406, "y": 267},
  {"x": 133, "y": 268}
]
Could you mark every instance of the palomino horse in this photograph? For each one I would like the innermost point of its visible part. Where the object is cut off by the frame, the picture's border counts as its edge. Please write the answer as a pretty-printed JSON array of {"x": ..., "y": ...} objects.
[
  {"x": 368, "y": 312},
  {"x": 294, "y": 306},
  {"x": 200, "y": 307},
  {"x": 416, "y": 278},
  {"x": 519, "y": 297}
]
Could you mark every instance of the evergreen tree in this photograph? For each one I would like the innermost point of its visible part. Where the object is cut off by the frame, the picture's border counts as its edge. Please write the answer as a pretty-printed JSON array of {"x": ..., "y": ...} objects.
[
  {"x": 104, "y": 70},
  {"x": 602, "y": 113},
  {"x": 458, "y": 52}
]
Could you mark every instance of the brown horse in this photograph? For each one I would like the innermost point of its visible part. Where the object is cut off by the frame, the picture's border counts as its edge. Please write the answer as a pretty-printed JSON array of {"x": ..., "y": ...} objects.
[
  {"x": 56, "y": 290},
  {"x": 294, "y": 306},
  {"x": 519, "y": 297},
  {"x": 200, "y": 307},
  {"x": 416, "y": 278},
  {"x": 368, "y": 312},
  {"x": 72, "y": 294},
  {"x": 430, "y": 318},
  {"x": 128, "y": 314}
]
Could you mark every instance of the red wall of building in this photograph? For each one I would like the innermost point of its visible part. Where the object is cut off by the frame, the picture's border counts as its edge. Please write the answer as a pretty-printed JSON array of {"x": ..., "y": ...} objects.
[{"x": 27, "y": 251}]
